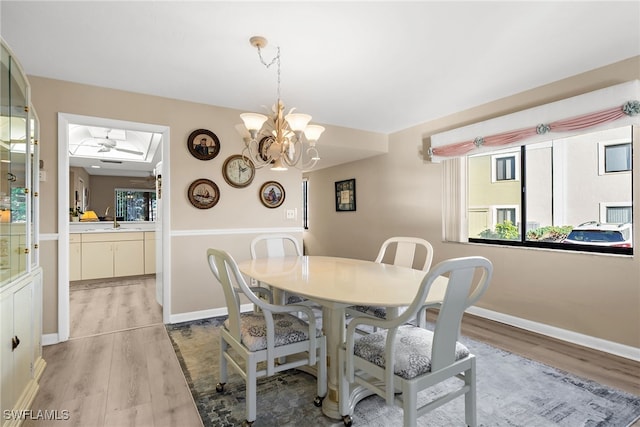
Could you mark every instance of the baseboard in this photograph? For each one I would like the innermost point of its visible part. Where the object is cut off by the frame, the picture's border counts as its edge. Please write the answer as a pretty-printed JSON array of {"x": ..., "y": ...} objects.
[
  {"x": 204, "y": 314},
  {"x": 611, "y": 347},
  {"x": 22, "y": 410},
  {"x": 38, "y": 369}
]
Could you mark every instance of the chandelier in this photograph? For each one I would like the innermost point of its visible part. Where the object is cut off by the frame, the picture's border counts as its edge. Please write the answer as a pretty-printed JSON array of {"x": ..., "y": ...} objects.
[{"x": 279, "y": 140}]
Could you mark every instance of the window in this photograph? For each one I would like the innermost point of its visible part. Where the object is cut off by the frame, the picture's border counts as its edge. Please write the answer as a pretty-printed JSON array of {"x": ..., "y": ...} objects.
[
  {"x": 505, "y": 168},
  {"x": 506, "y": 214},
  {"x": 560, "y": 187},
  {"x": 618, "y": 214},
  {"x": 617, "y": 158},
  {"x": 135, "y": 205},
  {"x": 305, "y": 204}
]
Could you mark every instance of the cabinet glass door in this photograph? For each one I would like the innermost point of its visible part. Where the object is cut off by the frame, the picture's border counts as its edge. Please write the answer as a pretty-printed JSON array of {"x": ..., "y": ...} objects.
[
  {"x": 34, "y": 186},
  {"x": 13, "y": 178}
]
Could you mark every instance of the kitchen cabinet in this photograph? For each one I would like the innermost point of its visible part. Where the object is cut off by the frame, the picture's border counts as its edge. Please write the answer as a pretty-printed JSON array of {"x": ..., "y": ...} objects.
[
  {"x": 149, "y": 252},
  {"x": 20, "y": 353},
  {"x": 112, "y": 254}
]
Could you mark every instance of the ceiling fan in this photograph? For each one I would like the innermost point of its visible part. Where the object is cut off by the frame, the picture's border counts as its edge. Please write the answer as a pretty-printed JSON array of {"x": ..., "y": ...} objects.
[{"x": 106, "y": 145}]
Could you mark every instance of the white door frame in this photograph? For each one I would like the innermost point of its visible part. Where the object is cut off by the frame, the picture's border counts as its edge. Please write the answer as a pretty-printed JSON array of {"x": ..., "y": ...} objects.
[{"x": 163, "y": 227}]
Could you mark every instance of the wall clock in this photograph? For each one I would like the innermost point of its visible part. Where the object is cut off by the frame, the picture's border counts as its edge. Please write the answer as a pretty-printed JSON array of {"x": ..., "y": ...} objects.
[
  {"x": 238, "y": 171},
  {"x": 203, "y": 193},
  {"x": 203, "y": 144}
]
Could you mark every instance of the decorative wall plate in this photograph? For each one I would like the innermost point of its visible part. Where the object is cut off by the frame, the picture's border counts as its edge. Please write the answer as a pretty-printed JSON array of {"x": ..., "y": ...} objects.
[
  {"x": 272, "y": 194},
  {"x": 203, "y": 144},
  {"x": 263, "y": 147},
  {"x": 203, "y": 193}
]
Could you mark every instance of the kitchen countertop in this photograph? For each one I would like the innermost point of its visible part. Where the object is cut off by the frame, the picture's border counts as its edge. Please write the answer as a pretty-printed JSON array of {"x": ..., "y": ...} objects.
[{"x": 107, "y": 227}]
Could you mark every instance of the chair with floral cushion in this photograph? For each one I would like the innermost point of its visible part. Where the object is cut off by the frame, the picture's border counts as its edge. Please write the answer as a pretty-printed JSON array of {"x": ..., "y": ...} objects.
[
  {"x": 400, "y": 360},
  {"x": 408, "y": 252},
  {"x": 264, "y": 337}
]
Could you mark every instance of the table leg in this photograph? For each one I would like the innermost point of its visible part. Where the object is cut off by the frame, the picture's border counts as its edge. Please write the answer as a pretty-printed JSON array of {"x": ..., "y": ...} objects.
[{"x": 334, "y": 329}]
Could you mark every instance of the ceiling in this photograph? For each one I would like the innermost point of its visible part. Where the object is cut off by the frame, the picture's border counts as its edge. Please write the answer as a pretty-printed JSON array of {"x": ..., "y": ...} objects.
[
  {"x": 377, "y": 66},
  {"x": 113, "y": 151}
]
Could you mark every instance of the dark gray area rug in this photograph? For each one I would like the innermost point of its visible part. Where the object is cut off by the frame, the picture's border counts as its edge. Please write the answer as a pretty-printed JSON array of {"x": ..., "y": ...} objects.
[{"x": 512, "y": 391}]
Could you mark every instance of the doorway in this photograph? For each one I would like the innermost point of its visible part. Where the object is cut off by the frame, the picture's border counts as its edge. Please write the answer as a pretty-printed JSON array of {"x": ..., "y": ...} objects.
[{"x": 112, "y": 141}]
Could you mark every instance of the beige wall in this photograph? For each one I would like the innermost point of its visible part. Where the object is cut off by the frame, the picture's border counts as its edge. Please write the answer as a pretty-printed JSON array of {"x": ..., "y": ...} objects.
[
  {"x": 231, "y": 224},
  {"x": 397, "y": 194},
  {"x": 400, "y": 194}
]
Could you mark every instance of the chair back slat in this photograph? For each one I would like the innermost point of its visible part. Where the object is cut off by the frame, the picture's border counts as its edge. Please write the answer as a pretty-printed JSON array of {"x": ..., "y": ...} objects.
[
  {"x": 405, "y": 253},
  {"x": 274, "y": 245},
  {"x": 219, "y": 266},
  {"x": 461, "y": 292},
  {"x": 407, "y": 250}
]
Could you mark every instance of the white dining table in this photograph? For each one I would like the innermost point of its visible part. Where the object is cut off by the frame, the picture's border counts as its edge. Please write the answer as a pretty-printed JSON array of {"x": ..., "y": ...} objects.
[{"x": 336, "y": 283}]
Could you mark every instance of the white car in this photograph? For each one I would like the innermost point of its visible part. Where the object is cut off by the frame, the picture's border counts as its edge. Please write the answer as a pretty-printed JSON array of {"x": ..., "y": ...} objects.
[{"x": 597, "y": 234}]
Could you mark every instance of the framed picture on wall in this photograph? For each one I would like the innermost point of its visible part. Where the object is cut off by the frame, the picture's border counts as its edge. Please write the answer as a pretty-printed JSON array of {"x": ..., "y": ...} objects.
[
  {"x": 346, "y": 195},
  {"x": 272, "y": 194},
  {"x": 203, "y": 193},
  {"x": 203, "y": 144}
]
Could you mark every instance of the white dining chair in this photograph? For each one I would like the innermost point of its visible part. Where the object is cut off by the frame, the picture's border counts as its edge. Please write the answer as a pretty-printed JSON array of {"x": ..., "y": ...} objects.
[
  {"x": 401, "y": 360},
  {"x": 262, "y": 339},
  {"x": 408, "y": 253},
  {"x": 278, "y": 245}
]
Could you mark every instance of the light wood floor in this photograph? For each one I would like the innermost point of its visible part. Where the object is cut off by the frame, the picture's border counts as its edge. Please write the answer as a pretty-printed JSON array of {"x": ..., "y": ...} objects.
[
  {"x": 120, "y": 368},
  {"x": 100, "y": 306}
]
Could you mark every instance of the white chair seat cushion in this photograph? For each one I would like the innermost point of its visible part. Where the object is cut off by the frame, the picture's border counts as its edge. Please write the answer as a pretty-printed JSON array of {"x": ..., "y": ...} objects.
[
  {"x": 288, "y": 330},
  {"x": 412, "y": 350}
]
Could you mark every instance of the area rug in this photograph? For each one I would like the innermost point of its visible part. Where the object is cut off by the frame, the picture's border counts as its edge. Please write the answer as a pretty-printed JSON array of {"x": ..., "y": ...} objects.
[{"x": 512, "y": 391}]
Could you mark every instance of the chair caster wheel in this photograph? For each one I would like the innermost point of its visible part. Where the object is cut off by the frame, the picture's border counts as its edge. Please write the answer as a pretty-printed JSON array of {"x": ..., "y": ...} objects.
[
  {"x": 246, "y": 423},
  {"x": 220, "y": 387},
  {"x": 317, "y": 401},
  {"x": 347, "y": 420}
]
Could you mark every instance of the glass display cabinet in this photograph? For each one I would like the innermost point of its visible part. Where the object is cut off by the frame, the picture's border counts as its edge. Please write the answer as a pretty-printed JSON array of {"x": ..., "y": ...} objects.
[
  {"x": 21, "y": 362},
  {"x": 17, "y": 143}
]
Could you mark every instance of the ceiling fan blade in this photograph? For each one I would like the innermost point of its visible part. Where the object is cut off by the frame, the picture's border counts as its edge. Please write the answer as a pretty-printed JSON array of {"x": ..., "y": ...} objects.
[{"x": 125, "y": 150}]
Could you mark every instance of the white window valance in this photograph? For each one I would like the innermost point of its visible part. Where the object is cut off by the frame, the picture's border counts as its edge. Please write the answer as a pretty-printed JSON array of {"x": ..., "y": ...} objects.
[{"x": 614, "y": 106}]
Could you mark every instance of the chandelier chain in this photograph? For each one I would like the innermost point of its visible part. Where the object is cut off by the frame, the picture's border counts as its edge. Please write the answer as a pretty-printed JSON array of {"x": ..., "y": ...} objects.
[{"x": 275, "y": 60}]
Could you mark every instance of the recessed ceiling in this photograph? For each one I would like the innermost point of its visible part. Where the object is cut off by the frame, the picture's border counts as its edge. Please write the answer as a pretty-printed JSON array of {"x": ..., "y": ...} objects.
[{"x": 101, "y": 150}]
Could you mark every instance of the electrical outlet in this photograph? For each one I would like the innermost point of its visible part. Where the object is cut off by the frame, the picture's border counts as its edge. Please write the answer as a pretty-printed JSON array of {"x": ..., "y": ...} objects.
[
  {"x": 42, "y": 175},
  {"x": 291, "y": 214}
]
